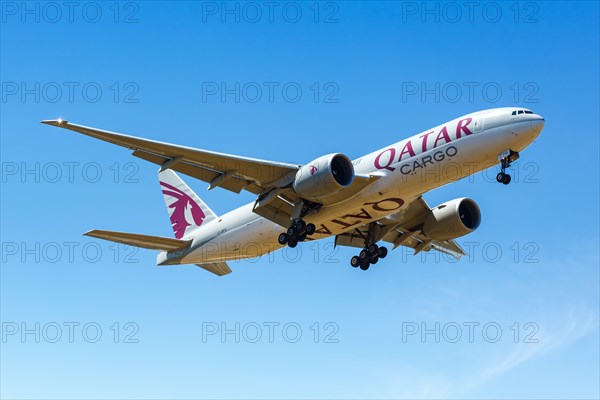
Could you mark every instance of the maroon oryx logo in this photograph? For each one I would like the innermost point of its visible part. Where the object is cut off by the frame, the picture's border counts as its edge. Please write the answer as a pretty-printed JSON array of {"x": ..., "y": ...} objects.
[
  {"x": 179, "y": 208},
  {"x": 312, "y": 168}
]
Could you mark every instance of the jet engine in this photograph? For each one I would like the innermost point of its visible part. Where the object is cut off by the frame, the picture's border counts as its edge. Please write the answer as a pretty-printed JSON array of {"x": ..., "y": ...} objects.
[
  {"x": 323, "y": 177},
  {"x": 452, "y": 219}
]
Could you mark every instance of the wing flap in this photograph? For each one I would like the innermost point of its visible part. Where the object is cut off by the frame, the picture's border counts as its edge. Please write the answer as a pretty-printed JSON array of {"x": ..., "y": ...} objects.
[
  {"x": 277, "y": 206},
  {"x": 419, "y": 242},
  {"x": 138, "y": 240},
  {"x": 449, "y": 247},
  {"x": 235, "y": 184},
  {"x": 219, "y": 268}
]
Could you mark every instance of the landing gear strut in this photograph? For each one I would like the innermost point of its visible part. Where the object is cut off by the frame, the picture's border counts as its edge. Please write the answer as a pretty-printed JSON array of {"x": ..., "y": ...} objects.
[
  {"x": 296, "y": 233},
  {"x": 506, "y": 158},
  {"x": 369, "y": 255}
]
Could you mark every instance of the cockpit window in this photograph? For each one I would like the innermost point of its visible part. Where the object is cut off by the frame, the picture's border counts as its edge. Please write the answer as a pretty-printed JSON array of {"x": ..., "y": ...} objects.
[{"x": 519, "y": 112}]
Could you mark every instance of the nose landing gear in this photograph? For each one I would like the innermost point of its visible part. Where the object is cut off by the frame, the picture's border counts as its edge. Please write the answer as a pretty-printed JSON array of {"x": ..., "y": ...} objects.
[
  {"x": 503, "y": 177},
  {"x": 506, "y": 158},
  {"x": 296, "y": 233}
]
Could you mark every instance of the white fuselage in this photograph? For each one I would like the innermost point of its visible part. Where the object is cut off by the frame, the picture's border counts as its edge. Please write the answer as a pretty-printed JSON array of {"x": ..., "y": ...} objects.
[{"x": 407, "y": 169}]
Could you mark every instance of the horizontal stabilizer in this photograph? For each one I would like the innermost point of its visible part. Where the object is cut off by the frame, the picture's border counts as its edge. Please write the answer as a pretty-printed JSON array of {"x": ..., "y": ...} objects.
[
  {"x": 218, "y": 268},
  {"x": 144, "y": 241}
]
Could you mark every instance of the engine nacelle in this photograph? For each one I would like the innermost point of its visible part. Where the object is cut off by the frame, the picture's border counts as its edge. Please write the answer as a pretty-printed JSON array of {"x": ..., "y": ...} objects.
[
  {"x": 323, "y": 177},
  {"x": 452, "y": 219}
]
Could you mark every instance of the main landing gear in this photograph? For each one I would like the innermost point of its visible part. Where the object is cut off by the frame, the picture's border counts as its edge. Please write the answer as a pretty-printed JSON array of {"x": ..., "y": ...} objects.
[
  {"x": 369, "y": 255},
  {"x": 506, "y": 158},
  {"x": 296, "y": 233}
]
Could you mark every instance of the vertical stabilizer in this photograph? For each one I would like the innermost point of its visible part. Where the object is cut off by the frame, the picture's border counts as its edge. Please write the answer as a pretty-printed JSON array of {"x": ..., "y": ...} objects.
[{"x": 186, "y": 210}]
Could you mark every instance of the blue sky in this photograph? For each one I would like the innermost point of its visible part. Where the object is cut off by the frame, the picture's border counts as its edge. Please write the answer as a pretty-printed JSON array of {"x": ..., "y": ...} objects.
[{"x": 146, "y": 68}]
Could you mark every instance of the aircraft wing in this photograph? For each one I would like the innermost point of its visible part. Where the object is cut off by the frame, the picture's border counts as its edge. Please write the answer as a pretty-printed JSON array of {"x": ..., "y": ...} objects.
[
  {"x": 268, "y": 179},
  {"x": 230, "y": 172},
  {"x": 401, "y": 229}
]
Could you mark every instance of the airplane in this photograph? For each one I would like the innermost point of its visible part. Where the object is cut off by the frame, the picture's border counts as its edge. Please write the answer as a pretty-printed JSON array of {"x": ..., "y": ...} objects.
[{"x": 361, "y": 202}]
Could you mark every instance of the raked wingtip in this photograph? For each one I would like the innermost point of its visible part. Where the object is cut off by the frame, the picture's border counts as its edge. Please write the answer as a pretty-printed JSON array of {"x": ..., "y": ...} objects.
[{"x": 55, "y": 122}]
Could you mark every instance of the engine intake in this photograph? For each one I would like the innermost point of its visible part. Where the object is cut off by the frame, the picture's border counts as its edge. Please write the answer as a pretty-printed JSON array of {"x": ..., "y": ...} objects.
[
  {"x": 452, "y": 219},
  {"x": 323, "y": 177}
]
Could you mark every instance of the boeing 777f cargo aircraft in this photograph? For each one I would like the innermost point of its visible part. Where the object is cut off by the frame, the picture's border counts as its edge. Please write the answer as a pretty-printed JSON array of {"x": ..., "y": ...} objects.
[{"x": 377, "y": 197}]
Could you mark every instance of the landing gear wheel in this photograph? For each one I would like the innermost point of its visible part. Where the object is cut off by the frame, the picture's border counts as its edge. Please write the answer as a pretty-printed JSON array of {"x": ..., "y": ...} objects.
[
  {"x": 302, "y": 237},
  {"x": 291, "y": 231},
  {"x": 364, "y": 265},
  {"x": 500, "y": 177},
  {"x": 355, "y": 261},
  {"x": 310, "y": 229},
  {"x": 374, "y": 259},
  {"x": 382, "y": 252},
  {"x": 300, "y": 225},
  {"x": 506, "y": 179},
  {"x": 363, "y": 255},
  {"x": 283, "y": 238},
  {"x": 293, "y": 242},
  {"x": 372, "y": 249}
]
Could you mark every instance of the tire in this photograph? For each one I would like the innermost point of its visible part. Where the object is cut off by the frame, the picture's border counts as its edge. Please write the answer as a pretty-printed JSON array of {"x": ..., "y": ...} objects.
[
  {"x": 374, "y": 259},
  {"x": 291, "y": 231},
  {"x": 500, "y": 177},
  {"x": 300, "y": 225},
  {"x": 310, "y": 229},
  {"x": 364, "y": 266},
  {"x": 372, "y": 249},
  {"x": 355, "y": 261},
  {"x": 382, "y": 252},
  {"x": 507, "y": 179},
  {"x": 282, "y": 239},
  {"x": 293, "y": 243},
  {"x": 302, "y": 237},
  {"x": 363, "y": 255}
]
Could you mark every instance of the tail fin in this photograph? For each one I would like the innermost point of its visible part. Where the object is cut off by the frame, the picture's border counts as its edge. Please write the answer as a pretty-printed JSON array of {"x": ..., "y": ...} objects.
[{"x": 186, "y": 210}]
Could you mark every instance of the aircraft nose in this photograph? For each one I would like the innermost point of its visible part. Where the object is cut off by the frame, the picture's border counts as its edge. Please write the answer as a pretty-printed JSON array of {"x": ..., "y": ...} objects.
[{"x": 537, "y": 124}]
